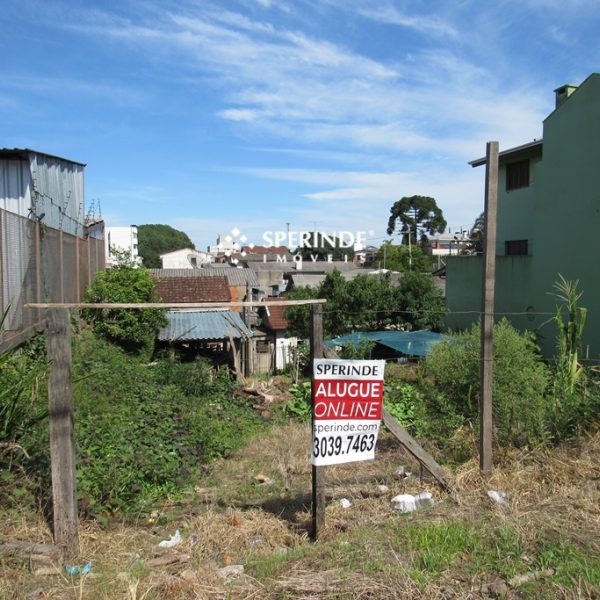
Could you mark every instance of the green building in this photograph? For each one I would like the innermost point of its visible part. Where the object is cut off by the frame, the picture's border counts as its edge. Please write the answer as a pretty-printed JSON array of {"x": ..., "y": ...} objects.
[{"x": 548, "y": 219}]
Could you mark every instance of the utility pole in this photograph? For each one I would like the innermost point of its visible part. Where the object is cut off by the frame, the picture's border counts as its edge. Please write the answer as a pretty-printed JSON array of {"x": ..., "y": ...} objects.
[{"x": 487, "y": 319}]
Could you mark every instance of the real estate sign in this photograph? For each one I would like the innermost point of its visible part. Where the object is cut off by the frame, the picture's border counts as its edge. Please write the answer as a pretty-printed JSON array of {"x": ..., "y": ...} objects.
[{"x": 347, "y": 405}]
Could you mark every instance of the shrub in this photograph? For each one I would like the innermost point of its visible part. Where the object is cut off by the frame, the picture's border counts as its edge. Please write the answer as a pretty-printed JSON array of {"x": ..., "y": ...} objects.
[
  {"x": 144, "y": 431},
  {"x": 133, "y": 329},
  {"x": 23, "y": 400},
  {"x": 520, "y": 381}
]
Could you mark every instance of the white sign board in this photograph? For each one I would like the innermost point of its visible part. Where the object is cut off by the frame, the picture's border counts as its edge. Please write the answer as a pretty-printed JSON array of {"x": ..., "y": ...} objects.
[{"x": 347, "y": 405}]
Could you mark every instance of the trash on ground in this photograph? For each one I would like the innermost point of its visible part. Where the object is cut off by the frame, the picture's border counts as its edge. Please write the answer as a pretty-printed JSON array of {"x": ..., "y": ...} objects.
[
  {"x": 383, "y": 488},
  {"x": 402, "y": 473},
  {"x": 172, "y": 541},
  {"x": 498, "y": 497},
  {"x": 76, "y": 570},
  {"x": 345, "y": 503},
  {"x": 406, "y": 503},
  {"x": 230, "y": 571}
]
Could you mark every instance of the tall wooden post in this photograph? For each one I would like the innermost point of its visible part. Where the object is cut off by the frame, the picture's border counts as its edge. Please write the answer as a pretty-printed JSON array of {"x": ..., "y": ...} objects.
[
  {"x": 62, "y": 445},
  {"x": 1, "y": 266},
  {"x": 487, "y": 320},
  {"x": 318, "y": 473},
  {"x": 248, "y": 346}
]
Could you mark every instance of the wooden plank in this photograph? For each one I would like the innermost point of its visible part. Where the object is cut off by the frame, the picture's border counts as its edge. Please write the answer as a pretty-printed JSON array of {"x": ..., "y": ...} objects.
[
  {"x": 29, "y": 552},
  {"x": 239, "y": 376},
  {"x": 62, "y": 445},
  {"x": 487, "y": 320},
  {"x": 416, "y": 450},
  {"x": 167, "y": 305},
  {"x": 409, "y": 443},
  {"x": 61, "y": 270},
  {"x": 318, "y": 473}
]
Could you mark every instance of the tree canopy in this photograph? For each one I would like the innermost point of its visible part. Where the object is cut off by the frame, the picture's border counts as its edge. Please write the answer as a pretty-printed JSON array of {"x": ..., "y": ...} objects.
[
  {"x": 417, "y": 214},
  {"x": 132, "y": 329},
  {"x": 370, "y": 303},
  {"x": 403, "y": 259},
  {"x": 154, "y": 240}
]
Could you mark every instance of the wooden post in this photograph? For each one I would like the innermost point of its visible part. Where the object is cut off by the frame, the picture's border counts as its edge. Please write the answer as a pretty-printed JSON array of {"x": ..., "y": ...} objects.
[
  {"x": 62, "y": 446},
  {"x": 487, "y": 320},
  {"x": 38, "y": 269},
  {"x": 248, "y": 346},
  {"x": 62, "y": 266},
  {"x": 1, "y": 267},
  {"x": 77, "y": 274},
  {"x": 318, "y": 473}
]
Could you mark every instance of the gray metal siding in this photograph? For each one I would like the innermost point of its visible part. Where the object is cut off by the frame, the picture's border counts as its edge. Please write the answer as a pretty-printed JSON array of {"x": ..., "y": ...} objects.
[{"x": 44, "y": 185}]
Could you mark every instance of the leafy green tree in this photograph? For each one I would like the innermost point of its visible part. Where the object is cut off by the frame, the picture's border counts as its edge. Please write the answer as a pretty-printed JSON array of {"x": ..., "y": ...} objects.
[
  {"x": 154, "y": 240},
  {"x": 400, "y": 258},
  {"x": 421, "y": 302},
  {"x": 133, "y": 329},
  {"x": 369, "y": 302},
  {"x": 417, "y": 214}
]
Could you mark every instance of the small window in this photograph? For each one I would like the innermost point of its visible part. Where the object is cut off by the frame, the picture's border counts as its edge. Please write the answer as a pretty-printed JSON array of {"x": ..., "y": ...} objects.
[
  {"x": 517, "y": 175},
  {"x": 516, "y": 248}
]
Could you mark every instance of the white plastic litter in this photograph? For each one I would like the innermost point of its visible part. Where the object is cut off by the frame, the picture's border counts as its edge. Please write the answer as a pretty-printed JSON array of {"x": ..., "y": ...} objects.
[
  {"x": 406, "y": 503},
  {"x": 172, "y": 541},
  {"x": 383, "y": 488},
  {"x": 345, "y": 503},
  {"x": 498, "y": 497}
]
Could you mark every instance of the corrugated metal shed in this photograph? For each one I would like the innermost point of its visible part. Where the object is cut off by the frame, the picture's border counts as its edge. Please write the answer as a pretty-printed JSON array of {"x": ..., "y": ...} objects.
[
  {"x": 236, "y": 277},
  {"x": 42, "y": 186},
  {"x": 411, "y": 343},
  {"x": 190, "y": 325}
]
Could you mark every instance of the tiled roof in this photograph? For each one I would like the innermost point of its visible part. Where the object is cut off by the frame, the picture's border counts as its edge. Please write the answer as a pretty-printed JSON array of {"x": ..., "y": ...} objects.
[
  {"x": 238, "y": 277},
  {"x": 193, "y": 289},
  {"x": 187, "y": 325},
  {"x": 275, "y": 315}
]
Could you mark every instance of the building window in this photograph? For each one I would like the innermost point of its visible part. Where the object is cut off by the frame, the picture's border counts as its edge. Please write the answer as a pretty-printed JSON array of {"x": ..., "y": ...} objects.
[
  {"x": 516, "y": 248},
  {"x": 517, "y": 175}
]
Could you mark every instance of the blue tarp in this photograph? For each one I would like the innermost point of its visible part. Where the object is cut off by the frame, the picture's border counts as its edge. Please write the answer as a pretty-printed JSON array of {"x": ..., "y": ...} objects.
[{"x": 411, "y": 343}]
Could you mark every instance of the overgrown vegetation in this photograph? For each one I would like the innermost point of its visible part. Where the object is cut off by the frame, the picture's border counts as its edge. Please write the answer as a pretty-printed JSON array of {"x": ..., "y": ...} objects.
[
  {"x": 144, "y": 431},
  {"x": 369, "y": 302},
  {"x": 133, "y": 329}
]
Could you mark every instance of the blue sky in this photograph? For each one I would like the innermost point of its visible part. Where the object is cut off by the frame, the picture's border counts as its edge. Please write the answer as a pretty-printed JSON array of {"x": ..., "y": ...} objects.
[{"x": 211, "y": 115}]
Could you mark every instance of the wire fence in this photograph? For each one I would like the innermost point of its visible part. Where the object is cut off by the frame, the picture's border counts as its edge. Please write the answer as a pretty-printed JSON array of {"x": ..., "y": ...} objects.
[{"x": 41, "y": 264}]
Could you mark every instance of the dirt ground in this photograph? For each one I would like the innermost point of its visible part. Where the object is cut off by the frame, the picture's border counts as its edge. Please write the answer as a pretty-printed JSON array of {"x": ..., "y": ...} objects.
[{"x": 244, "y": 531}]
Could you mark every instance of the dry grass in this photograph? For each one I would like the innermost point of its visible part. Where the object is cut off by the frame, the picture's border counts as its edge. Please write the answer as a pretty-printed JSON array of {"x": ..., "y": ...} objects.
[{"x": 359, "y": 555}]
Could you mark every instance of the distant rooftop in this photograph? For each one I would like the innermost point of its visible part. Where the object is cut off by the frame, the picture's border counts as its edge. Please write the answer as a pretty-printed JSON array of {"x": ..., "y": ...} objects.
[{"x": 511, "y": 152}]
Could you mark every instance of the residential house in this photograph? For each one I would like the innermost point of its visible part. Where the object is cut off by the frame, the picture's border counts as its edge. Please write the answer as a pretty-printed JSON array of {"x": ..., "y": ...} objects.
[
  {"x": 219, "y": 333},
  {"x": 186, "y": 258},
  {"x": 548, "y": 213},
  {"x": 280, "y": 347},
  {"x": 240, "y": 281}
]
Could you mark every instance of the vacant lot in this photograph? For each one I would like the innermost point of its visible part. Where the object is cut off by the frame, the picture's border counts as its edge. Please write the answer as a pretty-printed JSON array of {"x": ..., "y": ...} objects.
[{"x": 253, "y": 509}]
